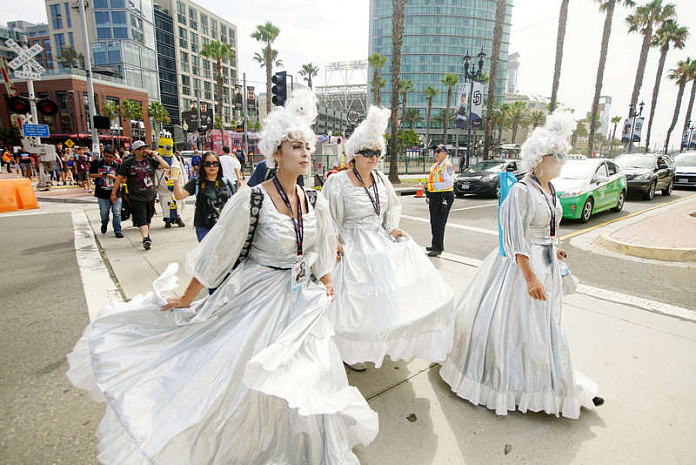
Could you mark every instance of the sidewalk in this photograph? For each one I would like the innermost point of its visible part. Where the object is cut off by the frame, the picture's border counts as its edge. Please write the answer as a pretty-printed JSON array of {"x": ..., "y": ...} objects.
[{"x": 642, "y": 361}]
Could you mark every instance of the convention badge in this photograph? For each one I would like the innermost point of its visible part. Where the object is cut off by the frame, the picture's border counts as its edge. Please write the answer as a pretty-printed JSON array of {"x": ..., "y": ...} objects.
[
  {"x": 147, "y": 182},
  {"x": 299, "y": 275}
]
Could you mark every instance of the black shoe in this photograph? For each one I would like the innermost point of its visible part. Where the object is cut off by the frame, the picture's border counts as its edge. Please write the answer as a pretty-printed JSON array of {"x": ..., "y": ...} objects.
[
  {"x": 179, "y": 222},
  {"x": 434, "y": 253},
  {"x": 119, "y": 235},
  {"x": 428, "y": 249},
  {"x": 103, "y": 228},
  {"x": 597, "y": 401},
  {"x": 147, "y": 243},
  {"x": 167, "y": 224}
]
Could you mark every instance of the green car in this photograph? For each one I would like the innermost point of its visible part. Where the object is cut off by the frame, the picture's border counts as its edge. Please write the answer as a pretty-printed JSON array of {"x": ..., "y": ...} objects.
[{"x": 590, "y": 186}]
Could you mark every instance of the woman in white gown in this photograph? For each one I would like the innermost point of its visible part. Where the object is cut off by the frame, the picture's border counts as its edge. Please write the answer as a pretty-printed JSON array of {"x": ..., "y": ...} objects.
[
  {"x": 390, "y": 300},
  {"x": 511, "y": 350},
  {"x": 250, "y": 374}
]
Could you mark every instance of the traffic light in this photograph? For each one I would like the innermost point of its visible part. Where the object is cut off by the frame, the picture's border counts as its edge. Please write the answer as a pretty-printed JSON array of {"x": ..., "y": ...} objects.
[
  {"x": 47, "y": 107},
  {"x": 19, "y": 105},
  {"x": 280, "y": 88}
]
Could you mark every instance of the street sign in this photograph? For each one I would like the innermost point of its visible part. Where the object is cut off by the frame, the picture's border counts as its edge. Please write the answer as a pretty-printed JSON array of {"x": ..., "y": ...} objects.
[
  {"x": 24, "y": 74},
  {"x": 69, "y": 143},
  {"x": 35, "y": 130},
  {"x": 30, "y": 68}
]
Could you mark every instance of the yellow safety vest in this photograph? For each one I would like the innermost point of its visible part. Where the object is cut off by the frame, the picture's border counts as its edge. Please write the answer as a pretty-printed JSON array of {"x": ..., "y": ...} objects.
[{"x": 436, "y": 175}]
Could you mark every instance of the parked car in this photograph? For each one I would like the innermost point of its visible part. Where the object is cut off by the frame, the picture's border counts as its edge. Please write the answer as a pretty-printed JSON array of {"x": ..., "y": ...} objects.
[
  {"x": 647, "y": 173},
  {"x": 685, "y": 169},
  {"x": 482, "y": 178},
  {"x": 590, "y": 186}
]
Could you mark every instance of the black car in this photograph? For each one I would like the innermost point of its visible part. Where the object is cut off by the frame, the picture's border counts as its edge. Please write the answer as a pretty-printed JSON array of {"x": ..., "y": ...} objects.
[
  {"x": 482, "y": 178},
  {"x": 647, "y": 173}
]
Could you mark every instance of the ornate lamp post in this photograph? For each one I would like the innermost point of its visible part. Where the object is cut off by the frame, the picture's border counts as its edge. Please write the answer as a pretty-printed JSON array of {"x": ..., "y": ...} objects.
[
  {"x": 471, "y": 76},
  {"x": 632, "y": 113}
]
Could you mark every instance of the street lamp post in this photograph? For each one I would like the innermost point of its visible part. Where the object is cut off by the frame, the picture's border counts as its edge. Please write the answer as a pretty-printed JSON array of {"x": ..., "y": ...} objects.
[
  {"x": 471, "y": 76},
  {"x": 690, "y": 127},
  {"x": 632, "y": 113}
]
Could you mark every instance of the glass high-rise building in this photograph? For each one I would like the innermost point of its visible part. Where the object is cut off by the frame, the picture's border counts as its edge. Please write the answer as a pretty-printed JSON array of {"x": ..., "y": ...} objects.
[{"x": 437, "y": 34}]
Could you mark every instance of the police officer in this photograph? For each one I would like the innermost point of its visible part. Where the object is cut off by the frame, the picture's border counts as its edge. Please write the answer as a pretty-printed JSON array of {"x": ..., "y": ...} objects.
[{"x": 441, "y": 195}]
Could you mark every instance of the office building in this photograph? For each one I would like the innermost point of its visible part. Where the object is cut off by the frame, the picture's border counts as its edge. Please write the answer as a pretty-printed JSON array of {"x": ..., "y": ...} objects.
[{"x": 166, "y": 61}]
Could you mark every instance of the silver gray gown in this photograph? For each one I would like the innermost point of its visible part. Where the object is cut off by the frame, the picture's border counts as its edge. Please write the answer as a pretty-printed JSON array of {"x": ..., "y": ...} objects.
[
  {"x": 390, "y": 299},
  {"x": 511, "y": 351},
  {"x": 249, "y": 375}
]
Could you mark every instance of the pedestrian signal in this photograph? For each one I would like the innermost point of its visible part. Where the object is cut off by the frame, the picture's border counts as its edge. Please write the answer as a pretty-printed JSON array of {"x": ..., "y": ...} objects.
[{"x": 280, "y": 88}]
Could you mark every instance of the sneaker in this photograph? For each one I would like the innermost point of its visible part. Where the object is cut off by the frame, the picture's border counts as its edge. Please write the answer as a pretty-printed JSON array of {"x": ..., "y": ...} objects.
[
  {"x": 147, "y": 243},
  {"x": 434, "y": 253},
  {"x": 119, "y": 235},
  {"x": 180, "y": 222},
  {"x": 167, "y": 224},
  {"x": 597, "y": 401},
  {"x": 103, "y": 228}
]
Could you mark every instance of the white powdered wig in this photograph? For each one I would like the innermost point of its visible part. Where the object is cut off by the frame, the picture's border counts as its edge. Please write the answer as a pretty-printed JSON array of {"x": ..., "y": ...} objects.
[
  {"x": 291, "y": 122},
  {"x": 548, "y": 139},
  {"x": 370, "y": 133}
]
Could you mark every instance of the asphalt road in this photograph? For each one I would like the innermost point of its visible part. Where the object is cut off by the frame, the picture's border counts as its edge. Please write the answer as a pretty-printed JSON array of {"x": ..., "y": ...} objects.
[{"x": 472, "y": 233}]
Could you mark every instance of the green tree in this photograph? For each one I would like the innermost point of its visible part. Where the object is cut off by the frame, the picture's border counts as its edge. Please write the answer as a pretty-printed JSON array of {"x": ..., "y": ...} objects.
[
  {"x": 691, "y": 76},
  {"x": 681, "y": 74},
  {"x": 537, "y": 118},
  {"x": 132, "y": 111},
  {"x": 267, "y": 34},
  {"x": 407, "y": 138},
  {"x": 443, "y": 118},
  {"x": 560, "y": 39},
  {"x": 398, "y": 18},
  {"x": 500, "y": 12},
  {"x": 429, "y": 93},
  {"x": 615, "y": 120},
  {"x": 259, "y": 58},
  {"x": 218, "y": 52},
  {"x": 519, "y": 117},
  {"x": 449, "y": 81},
  {"x": 580, "y": 131},
  {"x": 159, "y": 114},
  {"x": 406, "y": 87},
  {"x": 69, "y": 58},
  {"x": 308, "y": 71},
  {"x": 377, "y": 62},
  {"x": 111, "y": 110},
  {"x": 412, "y": 117}
]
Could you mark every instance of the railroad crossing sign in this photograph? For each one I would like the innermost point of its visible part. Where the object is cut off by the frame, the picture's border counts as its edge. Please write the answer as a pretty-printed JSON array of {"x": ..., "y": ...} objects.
[{"x": 30, "y": 68}]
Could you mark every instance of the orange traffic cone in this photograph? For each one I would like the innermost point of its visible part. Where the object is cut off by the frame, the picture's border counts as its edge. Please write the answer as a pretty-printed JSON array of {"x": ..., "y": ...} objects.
[{"x": 419, "y": 191}]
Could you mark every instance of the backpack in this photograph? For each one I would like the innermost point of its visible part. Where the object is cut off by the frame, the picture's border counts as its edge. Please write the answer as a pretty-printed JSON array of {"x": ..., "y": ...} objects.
[{"x": 230, "y": 190}]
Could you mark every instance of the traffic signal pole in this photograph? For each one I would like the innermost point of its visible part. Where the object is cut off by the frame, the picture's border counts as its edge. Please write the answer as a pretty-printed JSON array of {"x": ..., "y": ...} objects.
[{"x": 88, "y": 74}]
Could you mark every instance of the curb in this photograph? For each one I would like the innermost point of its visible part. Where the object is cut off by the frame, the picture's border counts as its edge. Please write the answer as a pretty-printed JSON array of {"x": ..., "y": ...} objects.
[
  {"x": 89, "y": 200},
  {"x": 667, "y": 254}
]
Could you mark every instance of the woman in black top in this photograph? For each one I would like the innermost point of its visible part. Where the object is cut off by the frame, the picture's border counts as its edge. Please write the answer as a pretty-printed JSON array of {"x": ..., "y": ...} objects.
[{"x": 212, "y": 191}]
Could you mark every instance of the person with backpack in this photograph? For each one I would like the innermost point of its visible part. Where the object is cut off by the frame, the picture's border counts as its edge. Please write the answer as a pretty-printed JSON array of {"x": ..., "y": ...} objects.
[
  {"x": 212, "y": 191},
  {"x": 104, "y": 171}
]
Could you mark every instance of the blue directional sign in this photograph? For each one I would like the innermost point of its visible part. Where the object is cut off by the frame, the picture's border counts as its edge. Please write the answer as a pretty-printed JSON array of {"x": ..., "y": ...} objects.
[{"x": 35, "y": 130}]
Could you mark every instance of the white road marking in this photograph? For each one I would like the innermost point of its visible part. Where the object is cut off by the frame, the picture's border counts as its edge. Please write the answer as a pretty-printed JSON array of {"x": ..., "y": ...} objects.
[
  {"x": 454, "y": 225},
  {"x": 471, "y": 208},
  {"x": 98, "y": 286}
]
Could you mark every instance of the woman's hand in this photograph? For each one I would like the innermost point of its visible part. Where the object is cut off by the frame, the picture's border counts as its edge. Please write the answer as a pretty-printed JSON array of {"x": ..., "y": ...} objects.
[
  {"x": 535, "y": 289},
  {"x": 339, "y": 251},
  {"x": 561, "y": 254},
  {"x": 328, "y": 284},
  {"x": 177, "y": 302},
  {"x": 396, "y": 232}
]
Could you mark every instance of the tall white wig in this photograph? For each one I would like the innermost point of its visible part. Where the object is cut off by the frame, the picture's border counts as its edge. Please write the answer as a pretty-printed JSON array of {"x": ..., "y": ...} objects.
[
  {"x": 549, "y": 139},
  {"x": 291, "y": 122},
  {"x": 370, "y": 133}
]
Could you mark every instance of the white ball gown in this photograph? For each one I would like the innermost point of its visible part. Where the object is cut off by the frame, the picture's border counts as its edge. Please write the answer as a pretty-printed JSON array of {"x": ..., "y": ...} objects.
[
  {"x": 248, "y": 375},
  {"x": 390, "y": 299},
  {"x": 511, "y": 351}
]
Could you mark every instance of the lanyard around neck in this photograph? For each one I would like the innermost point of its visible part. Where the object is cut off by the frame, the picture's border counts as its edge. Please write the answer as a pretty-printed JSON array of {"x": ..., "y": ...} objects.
[
  {"x": 552, "y": 209},
  {"x": 374, "y": 200},
  {"x": 298, "y": 224}
]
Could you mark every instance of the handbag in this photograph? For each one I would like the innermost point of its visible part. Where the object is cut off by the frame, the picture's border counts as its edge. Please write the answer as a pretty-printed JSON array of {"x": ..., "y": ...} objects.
[{"x": 568, "y": 279}]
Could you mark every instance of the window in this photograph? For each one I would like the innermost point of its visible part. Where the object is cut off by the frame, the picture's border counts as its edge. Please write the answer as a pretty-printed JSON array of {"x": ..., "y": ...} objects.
[
  {"x": 185, "y": 86},
  {"x": 104, "y": 33},
  {"x": 184, "y": 62},
  {"x": 223, "y": 33},
  {"x": 213, "y": 28},
  {"x": 204, "y": 24},
  {"x": 56, "y": 17},
  {"x": 59, "y": 39},
  {"x": 206, "y": 69},
  {"x": 67, "y": 15},
  {"x": 183, "y": 37},
  {"x": 70, "y": 39},
  {"x": 101, "y": 4},
  {"x": 181, "y": 12},
  {"x": 207, "y": 89},
  {"x": 193, "y": 21},
  {"x": 118, "y": 3},
  {"x": 102, "y": 17},
  {"x": 194, "y": 42},
  {"x": 118, "y": 17},
  {"x": 122, "y": 33},
  {"x": 602, "y": 171},
  {"x": 196, "y": 65}
]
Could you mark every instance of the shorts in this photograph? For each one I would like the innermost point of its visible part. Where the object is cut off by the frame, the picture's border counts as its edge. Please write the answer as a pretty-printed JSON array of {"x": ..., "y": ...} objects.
[
  {"x": 81, "y": 176},
  {"x": 142, "y": 211}
]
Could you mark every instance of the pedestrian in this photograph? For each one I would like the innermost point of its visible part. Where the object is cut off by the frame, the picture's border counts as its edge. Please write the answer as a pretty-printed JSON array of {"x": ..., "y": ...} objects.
[
  {"x": 138, "y": 172},
  {"x": 196, "y": 163},
  {"x": 390, "y": 299},
  {"x": 441, "y": 197},
  {"x": 511, "y": 350},
  {"x": 250, "y": 374},
  {"x": 82, "y": 168},
  {"x": 34, "y": 164},
  {"x": 165, "y": 179},
  {"x": 25, "y": 163},
  {"x": 15, "y": 166},
  {"x": 230, "y": 166},
  {"x": 58, "y": 166},
  {"x": 7, "y": 159},
  {"x": 241, "y": 157},
  {"x": 104, "y": 171}
]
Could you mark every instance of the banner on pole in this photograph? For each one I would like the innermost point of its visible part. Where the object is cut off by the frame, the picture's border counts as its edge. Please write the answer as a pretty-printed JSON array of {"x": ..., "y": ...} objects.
[
  {"x": 462, "y": 116},
  {"x": 626, "y": 133},
  {"x": 638, "y": 128}
]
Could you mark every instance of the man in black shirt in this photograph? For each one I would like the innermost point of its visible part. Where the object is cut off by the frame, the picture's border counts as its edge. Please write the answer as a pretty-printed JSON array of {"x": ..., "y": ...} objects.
[
  {"x": 139, "y": 173},
  {"x": 104, "y": 171}
]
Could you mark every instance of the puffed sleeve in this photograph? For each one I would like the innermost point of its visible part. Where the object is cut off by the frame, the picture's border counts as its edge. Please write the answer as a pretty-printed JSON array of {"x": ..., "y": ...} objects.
[
  {"x": 516, "y": 215},
  {"x": 331, "y": 192},
  {"x": 215, "y": 256},
  {"x": 327, "y": 237},
  {"x": 392, "y": 215}
]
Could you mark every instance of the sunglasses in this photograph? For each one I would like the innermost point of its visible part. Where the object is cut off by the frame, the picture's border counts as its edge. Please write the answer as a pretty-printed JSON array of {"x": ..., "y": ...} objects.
[
  {"x": 369, "y": 153},
  {"x": 214, "y": 164}
]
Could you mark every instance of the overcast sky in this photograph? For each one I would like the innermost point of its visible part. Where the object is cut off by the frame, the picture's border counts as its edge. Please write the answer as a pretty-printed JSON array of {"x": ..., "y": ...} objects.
[{"x": 331, "y": 30}]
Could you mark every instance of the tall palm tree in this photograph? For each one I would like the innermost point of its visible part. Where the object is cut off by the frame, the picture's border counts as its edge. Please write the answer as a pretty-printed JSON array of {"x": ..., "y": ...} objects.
[
  {"x": 560, "y": 38},
  {"x": 267, "y": 34},
  {"x": 450, "y": 80},
  {"x": 443, "y": 117},
  {"x": 159, "y": 114},
  {"x": 519, "y": 118},
  {"x": 669, "y": 33},
  {"x": 580, "y": 131},
  {"x": 412, "y": 117},
  {"x": 681, "y": 75},
  {"x": 308, "y": 71},
  {"x": 406, "y": 86},
  {"x": 377, "y": 62},
  {"x": 537, "y": 118},
  {"x": 429, "y": 93},
  {"x": 111, "y": 110},
  {"x": 217, "y": 52},
  {"x": 132, "y": 111},
  {"x": 397, "y": 40},
  {"x": 691, "y": 75},
  {"x": 500, "y": 11},
  {"x": 261, "y": 59},
  {"x": 643, "y": 21},
  {"x": 614, "y": 120},
  {"x": 608, "y": 6}
]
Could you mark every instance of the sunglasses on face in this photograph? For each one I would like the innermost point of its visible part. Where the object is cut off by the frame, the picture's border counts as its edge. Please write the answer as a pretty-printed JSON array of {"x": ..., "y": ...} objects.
[
  {"x": 369, "y": 153},
  {"x": 214, "y": 164}
]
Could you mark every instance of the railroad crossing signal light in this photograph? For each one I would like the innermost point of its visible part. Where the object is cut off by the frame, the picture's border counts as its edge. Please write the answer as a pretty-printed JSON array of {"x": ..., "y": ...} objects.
[
  {"x": 47, "y": 107},
  {"x": 18, "y": 105},
  {"x": 280, "y": 88}
]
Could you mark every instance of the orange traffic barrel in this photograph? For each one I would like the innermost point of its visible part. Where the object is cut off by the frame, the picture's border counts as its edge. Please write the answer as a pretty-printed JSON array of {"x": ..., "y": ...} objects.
[
  {"x": 17, "y": 194},
  {"x": 419, "y": 191}
]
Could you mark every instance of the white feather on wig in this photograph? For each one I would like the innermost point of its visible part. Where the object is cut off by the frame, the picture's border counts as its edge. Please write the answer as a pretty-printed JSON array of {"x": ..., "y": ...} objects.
[
  {"x": 370, "y": 133},
  {"x": 548, "y": 139},
  {"x": 291, "y": 122}
]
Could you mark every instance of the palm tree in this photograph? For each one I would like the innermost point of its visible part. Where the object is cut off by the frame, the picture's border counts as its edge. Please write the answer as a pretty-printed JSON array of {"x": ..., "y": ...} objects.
[
  {"x": 412, "y": 117},
  {"x": 608, "y": 6},
  {"x": 308, "y": 71},
  {"x": 681, "y": 75},
  {"x": 443, "y": 117},
  {"x": 614, "y": 120},
  {"x": 218, "y": 51},
  {"x": 500, "y": 11},
  {"x": 159, "y": 114},
  {"x": 397, "y": 40},
  {"x": 111, "y": 110},
  {"x": 518, "y": 115},
  {"x": 267, "y": 34},
  {"x": 450, "y": 80},
  {"x": 261, "y": 60},
  {"x": 643, "y": 21},
  {"x": 429, "y": 93},
  {"x": 580, "y": 131},
  {"x": 691, "y": 72},
  {"x": 537, "y": 118},
  {"x": 69, "y": 58},
  {"x": 132, "y": 111},
  {"x": 377, "y": 62},
  {"x": 560, "y": 38},
  {"x": 406, "y": 87},
  {"x": 669, "y": 33}
]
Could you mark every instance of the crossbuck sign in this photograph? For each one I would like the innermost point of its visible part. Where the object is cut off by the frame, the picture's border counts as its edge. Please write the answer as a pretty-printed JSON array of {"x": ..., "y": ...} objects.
[{"x": 30, "y": 68}]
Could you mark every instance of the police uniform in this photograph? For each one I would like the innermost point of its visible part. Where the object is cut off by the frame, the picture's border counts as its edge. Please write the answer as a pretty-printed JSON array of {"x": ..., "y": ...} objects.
[{"x": 441, "y": 195}]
